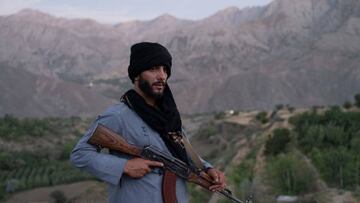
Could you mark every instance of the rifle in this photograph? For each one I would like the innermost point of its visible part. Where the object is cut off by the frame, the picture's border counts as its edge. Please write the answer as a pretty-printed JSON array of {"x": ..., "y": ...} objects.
[{"x": 106, "y": 138}]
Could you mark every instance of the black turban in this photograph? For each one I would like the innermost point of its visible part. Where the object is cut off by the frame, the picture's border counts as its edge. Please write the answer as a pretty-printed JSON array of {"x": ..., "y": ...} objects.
[{"x": 145, "y": 55}]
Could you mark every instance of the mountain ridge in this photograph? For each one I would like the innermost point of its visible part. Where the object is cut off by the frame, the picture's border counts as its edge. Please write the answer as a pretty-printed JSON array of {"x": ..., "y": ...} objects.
[{"x": 287, "y": 45}]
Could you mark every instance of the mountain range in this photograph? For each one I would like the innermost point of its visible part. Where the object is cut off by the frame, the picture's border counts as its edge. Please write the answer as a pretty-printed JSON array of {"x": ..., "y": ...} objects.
[{"x": 301, "y": 53}]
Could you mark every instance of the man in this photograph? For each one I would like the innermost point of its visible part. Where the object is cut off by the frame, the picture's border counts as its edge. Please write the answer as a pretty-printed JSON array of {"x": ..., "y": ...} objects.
[{"x": 146, "y": 115}]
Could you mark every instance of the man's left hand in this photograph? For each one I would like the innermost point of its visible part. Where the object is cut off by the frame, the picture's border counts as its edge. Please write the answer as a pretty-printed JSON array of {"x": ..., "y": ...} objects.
[{"x": 219, "y": 180}]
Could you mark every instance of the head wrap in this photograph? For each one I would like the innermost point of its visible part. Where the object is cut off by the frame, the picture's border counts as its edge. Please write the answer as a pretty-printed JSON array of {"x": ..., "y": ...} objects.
[{"x": 145, "y": 55}]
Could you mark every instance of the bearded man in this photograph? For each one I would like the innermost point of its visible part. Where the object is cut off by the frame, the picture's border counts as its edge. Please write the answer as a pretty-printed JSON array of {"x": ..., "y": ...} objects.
[{"x": 146, "y": 115}]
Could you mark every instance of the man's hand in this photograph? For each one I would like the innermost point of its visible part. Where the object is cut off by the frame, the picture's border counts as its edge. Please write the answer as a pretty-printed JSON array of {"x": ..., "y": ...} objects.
[
  {"x": 219, "y": 180},
  {"x": 138, "y": 167}
]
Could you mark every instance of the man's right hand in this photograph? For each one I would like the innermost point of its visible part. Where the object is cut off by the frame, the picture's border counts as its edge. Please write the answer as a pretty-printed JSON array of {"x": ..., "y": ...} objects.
[{"x": 138, "y": 167}]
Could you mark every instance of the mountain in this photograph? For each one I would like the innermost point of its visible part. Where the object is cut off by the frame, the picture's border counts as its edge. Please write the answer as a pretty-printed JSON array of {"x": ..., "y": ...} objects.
[
  {"x": 301, "y": 53},
  {"x": 28, "y": 95}
]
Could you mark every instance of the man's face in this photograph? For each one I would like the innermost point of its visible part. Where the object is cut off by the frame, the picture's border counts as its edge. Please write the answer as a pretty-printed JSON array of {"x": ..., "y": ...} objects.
[{"x": 152, "y": 82}]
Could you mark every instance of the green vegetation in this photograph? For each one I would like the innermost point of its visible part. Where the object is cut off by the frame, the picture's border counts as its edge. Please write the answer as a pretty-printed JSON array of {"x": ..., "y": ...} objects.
[
  {"x": 291, "y": 109},
  {"x": 357, "y": 100},
  {"x": 58, "y": 196},
  {"x": 219, "y": 115},
  {"x": 330, "y": 138},
  {"x": 262, "y": 117},
  {"x": 242, "y": 176},
  {"x": 198, "y": 194},
  {"x": 31, "y": 166},
  {"x": 289, "y": 174},
  {"x": 277, "y": 143},
  {"x": 16, "y": 128},
  {"x": 332, "y": 141},
  {"x": 37, "y": 176},
  {"x": 11, "y": 127},
  {"x": 347, "y": 105}
]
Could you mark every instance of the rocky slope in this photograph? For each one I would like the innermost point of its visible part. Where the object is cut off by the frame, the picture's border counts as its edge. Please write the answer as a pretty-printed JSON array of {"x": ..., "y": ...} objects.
[
  {"x": 28, "y": 95},
  {"x": 301, "y": 53}
]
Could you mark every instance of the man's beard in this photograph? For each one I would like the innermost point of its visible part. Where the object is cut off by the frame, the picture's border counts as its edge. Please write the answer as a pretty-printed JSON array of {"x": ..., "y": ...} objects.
[{"x": 145, "y": 86}]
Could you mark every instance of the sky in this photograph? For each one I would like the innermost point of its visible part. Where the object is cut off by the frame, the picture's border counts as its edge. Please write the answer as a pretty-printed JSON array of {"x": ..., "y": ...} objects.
[{"x": 114, "y": 11}]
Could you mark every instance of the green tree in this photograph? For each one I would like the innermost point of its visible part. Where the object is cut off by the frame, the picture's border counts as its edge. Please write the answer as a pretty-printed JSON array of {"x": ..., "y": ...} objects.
[
  {"x": 2, "y": 191},
  {"x": 347, "y": 105},
  {"x": 58, "y": 196},
  {"x": 313, "y": 136},
  {"x": 334, "y": 166},
  {"x": 357, "y": 100},
  {"x": 289, "y": 174},
  {"x": 262, "y": 117},
  {"x": 219, "y": 115},
  {"x": 277, "y": 143},
  {"x": 291, "y": 109}
]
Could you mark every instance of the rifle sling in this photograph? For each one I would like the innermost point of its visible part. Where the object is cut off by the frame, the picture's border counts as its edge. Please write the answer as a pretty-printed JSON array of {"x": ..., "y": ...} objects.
[{"x": 191, "y": 152}]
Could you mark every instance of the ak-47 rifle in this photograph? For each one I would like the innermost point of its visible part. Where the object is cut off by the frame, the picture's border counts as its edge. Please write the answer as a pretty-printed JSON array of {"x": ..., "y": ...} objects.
[{"x": 106, "y": 138}]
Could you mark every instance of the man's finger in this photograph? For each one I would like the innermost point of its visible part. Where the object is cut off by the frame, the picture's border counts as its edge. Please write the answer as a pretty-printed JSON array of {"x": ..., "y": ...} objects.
[
  {"x": 216, "y": 187},
  {"x": 222, "y": 178},
  {"x": 154, "y": 163},
  {"x": 214, "y": 175}
]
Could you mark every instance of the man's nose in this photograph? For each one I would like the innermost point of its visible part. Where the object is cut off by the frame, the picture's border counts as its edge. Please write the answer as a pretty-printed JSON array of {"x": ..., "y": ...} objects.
[{"x": 162, "y": 74}]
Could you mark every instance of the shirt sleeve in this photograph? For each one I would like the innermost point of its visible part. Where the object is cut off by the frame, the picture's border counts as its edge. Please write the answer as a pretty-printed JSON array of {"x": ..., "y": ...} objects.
[{"x": 106, "y": 167}]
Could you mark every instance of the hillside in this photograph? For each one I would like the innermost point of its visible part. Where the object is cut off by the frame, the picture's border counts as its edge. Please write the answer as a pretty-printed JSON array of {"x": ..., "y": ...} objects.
[
  {"x": 257, "y": 150},
  {"x": 301, "y": 53},
  {"x": 25, "y": 94}
]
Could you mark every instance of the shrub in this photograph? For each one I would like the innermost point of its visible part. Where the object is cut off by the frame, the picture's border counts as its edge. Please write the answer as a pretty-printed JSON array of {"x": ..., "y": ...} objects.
[
  {"x": 290, "y": 175},
  {"x": 277, "y": 142},
  {"x": 291, "y": 109},
  {"x": 58, "y": 196},
  {"x": 347, "y": 105},
  {"x": 357, "y": 100},
  {"x": 219, "y": 115},
  {"x": 262, "y": 117}
]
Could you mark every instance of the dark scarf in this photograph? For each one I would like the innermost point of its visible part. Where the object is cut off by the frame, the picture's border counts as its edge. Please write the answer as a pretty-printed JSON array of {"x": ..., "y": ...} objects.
[{"x": 164, "y": 119}]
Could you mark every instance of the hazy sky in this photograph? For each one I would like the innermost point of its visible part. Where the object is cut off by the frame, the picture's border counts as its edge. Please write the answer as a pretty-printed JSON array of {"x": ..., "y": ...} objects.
[{"x": 112, "y": 11}]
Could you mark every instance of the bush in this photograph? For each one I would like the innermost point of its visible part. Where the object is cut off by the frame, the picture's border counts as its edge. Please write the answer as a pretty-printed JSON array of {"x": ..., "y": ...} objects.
[
  {"x": 14, "y": 128},
  {"x": 6, "y": 161},
  {"x": 58, "y": 196},
  {"x": 219, "y": 115},
  {"x": 289, "y": 175},
  {"x": 347, "y": 105},
  {"x": 242, "y": 172},
  {"x": 337, "y": 166},
  {"x": 332, "y": 141},
  {"x": 277, "y": 143},
  {"x": 291, "y": 109},
  {"x": 262, "y": 117},
  {"x": 357, "y": 100},
  {"x": 2, "y": 191}
]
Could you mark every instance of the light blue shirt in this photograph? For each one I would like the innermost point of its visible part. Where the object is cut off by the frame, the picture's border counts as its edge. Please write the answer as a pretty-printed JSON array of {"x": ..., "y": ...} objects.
[{"x": 109, "y": 167}]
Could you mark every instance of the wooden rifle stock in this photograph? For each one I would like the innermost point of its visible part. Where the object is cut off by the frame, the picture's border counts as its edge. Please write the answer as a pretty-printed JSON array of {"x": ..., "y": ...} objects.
[{"x": 106, "y": 138}]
